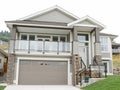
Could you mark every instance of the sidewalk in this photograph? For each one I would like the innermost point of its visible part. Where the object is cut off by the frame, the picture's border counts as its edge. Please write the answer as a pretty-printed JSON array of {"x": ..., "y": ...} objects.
[{"x": 41, "y": 87}]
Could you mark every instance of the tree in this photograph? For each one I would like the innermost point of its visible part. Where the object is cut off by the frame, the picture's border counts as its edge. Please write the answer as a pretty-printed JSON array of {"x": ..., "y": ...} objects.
[{"x": 5, "y": 36}]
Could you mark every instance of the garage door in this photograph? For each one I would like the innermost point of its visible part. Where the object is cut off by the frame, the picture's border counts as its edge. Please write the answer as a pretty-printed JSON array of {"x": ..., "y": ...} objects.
[{"x": 33, "y": 72}]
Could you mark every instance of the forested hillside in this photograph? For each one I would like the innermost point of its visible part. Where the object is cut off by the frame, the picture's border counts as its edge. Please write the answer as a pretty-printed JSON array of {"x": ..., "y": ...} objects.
[{"x": 4, "y": 36}]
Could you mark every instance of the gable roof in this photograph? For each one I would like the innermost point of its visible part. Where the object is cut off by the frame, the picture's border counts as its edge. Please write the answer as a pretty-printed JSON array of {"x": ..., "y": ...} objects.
[
  {"x": 92, "y": 22},
  {"x": 48, "y": 10}
]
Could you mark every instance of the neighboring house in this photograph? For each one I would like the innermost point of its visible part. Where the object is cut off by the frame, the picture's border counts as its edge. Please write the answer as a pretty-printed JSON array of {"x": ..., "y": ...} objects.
[
  {"x": 3, "y": 62},
  {"x": 106, "y": 50},
  {"x": 115, "y": 48},
  {"x": 52, "y": 46}
]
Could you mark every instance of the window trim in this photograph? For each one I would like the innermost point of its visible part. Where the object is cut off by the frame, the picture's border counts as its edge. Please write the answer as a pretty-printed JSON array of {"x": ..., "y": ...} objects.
[
  {"x": 51, "y": 35},
  {"x": 59, "y": 37},
  {"x": 104, "y": 44}
]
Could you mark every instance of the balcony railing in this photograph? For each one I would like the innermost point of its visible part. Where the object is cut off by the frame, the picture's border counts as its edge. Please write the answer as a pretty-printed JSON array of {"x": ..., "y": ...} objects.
[
  {"x": 116, "y": 51},
  {"x": 40, "y": 46}
]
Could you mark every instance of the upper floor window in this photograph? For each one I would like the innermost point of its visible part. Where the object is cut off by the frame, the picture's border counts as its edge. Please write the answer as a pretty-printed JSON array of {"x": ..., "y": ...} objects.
[
  {"x": 62, "y": 39},
  {"x": 59, "y": 38},
  {"x": 104, "y": 43},
  {"x": 27, "y": 37},
  {"x": 23, "y": 37},
  {"x": 83, "y": 37},
  {"x": 55, "y": 38},
  {"x": 31, "y": 37}
]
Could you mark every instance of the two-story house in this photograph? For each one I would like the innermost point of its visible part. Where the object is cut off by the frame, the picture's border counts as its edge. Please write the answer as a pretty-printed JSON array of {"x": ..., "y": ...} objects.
[{"x": 51, "y": 46}]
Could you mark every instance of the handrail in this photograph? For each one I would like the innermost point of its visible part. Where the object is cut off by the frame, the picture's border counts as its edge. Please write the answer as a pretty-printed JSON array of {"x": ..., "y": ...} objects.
[
  {"x": 83, "y": 63},
  {"x": 94, "y": 61},
  {"x": 83, "y": 69}
]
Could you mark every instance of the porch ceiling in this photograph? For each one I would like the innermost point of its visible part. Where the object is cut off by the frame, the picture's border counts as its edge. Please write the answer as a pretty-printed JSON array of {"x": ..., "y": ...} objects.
[{"x": 42, "y": 30}]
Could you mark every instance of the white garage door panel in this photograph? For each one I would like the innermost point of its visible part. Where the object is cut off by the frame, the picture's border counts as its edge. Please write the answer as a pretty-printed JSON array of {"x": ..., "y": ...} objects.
[{"x": 43, "y": 72}]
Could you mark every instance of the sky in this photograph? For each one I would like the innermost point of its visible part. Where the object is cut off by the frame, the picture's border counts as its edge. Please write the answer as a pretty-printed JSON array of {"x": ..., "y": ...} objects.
[{"x": 105, "y": 11}]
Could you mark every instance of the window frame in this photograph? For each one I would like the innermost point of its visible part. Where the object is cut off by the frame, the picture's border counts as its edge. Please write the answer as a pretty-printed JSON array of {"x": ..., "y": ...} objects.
[{"x": 104, "y": 44}]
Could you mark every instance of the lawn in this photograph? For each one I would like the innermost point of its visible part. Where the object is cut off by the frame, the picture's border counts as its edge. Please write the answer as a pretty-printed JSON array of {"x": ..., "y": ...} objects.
[
  {"x": 110, "y": 83},
  {"x": 116, "y": 60},
  {"x": 2, "y": 87}
]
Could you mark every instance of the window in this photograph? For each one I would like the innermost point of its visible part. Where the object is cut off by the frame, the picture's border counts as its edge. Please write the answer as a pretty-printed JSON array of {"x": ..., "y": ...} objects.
[
  {"x": 31, "y": 37},
  {"x": 55, "y": 38},
  {"x": 104, "y": 43},
  {"x": 62, "y": 39},
  {"x": 59, "y": 38},
  {"x": 82, "y": 37},
  {"x": 23, "y": 37}
]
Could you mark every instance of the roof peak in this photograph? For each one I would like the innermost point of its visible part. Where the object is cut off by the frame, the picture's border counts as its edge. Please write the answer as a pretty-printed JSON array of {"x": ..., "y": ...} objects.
[{"x": 50, "y": 9}]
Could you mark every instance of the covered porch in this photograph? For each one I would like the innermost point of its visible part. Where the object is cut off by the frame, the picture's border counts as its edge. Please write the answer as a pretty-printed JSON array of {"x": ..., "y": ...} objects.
[{"x": 41, "y": 40}]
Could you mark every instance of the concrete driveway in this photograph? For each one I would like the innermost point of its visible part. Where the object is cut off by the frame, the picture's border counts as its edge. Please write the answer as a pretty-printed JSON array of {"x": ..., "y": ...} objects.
[{"x": 41, "y": 87}]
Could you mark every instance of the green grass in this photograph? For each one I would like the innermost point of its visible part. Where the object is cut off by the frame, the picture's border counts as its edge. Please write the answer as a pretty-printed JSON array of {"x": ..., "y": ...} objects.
[
  {"x": 110, "y": 83},
  {"x": 2, "y": 87}
]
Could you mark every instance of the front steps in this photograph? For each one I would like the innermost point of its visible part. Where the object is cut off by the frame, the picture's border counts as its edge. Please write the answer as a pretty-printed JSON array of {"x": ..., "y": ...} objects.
[{"x": 91, "y": 80}]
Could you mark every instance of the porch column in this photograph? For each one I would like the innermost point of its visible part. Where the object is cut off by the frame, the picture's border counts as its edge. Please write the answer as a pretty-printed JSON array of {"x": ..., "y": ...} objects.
[
  {"x": 11, "y": 56},
  {"x": 12, "y": 39},
  {"x": 75, "y": 52},
  {"x": 13, "y": 32},
  {"x": 10, "y": 69},
  {"x": 75, "y": 41},
  {"x": 97, "y": 49}
]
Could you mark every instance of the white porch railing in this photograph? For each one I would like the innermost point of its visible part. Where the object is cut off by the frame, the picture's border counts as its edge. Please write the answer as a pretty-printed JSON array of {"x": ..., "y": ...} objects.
[{"x": 40, "y": 46}]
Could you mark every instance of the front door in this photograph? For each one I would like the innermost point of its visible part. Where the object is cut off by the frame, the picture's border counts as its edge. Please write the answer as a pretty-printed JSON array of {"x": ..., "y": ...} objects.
[{"x": 83, "y": 54}]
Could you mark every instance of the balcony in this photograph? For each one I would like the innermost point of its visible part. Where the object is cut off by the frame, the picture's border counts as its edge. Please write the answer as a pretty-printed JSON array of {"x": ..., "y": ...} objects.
[
  {"x": 116, "y": 51},
  {"x": 43, "y": 47}
]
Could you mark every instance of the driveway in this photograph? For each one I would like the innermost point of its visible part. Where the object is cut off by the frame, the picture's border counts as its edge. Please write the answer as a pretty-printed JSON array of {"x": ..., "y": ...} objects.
[{"x": 41, "y": 87}]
